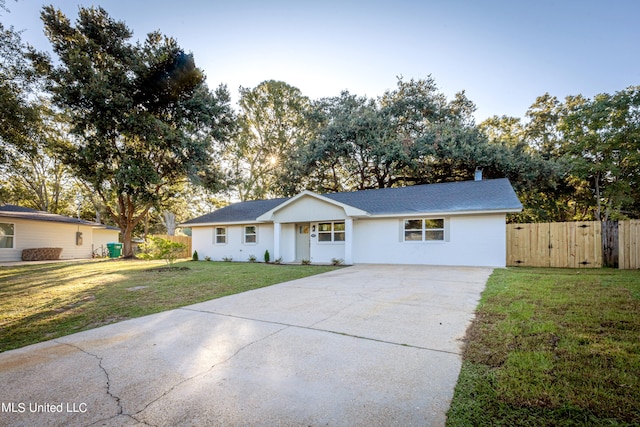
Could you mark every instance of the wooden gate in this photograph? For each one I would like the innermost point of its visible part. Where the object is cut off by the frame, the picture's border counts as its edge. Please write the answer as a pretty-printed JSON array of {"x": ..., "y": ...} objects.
[
  {"x": 555, "y": 244},
  {"x": 629, "y": 244}
]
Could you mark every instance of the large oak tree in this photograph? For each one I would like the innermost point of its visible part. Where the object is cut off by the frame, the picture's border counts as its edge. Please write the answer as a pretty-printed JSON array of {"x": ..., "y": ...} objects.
[
  {"x": 142, "y": 118},
  {"x": 410, "y": 135}
]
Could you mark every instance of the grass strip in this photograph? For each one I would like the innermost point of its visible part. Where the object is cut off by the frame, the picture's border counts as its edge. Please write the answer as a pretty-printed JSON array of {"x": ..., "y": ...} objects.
[
  {"x": 46, "y": 301},
  {"x": 552, "y": 347}
]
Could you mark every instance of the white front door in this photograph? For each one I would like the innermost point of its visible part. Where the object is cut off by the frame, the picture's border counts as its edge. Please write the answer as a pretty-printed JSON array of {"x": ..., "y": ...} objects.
[{"x": 303, "y": 242}]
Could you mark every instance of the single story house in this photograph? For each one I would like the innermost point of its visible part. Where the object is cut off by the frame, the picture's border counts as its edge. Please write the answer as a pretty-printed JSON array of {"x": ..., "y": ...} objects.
[
  {"x": 457, "y": 223},
  {"x": 23, "y": 228}
]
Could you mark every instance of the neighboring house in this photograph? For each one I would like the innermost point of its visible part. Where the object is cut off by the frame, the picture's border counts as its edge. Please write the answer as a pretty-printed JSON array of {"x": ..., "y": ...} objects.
[
  {"x": 457, "y": 223},
  {"x": 24, "y": 228}
]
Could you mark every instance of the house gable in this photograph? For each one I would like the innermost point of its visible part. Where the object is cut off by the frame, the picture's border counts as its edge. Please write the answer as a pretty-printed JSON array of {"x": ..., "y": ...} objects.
[{"x": 308, "y": 206}]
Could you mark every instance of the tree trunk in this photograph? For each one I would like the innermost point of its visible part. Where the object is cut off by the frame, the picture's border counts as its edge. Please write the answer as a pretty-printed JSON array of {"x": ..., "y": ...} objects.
[
  {"x": 146, "y": 226},
  {"x": 169, "y": 220},
  {"x": 126, "y": 223},
  {"x": 126, "y": 219},
  {"x": 127, "y": 245}
]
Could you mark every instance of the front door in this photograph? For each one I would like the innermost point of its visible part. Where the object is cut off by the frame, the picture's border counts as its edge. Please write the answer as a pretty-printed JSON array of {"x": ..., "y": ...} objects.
[{"x": 303, "y": 242}]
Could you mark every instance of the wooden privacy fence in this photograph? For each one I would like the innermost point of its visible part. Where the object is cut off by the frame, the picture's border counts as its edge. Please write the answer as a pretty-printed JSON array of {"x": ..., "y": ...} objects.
[
  {"x": 555, "y": 244},
  {"x": 186, "y": 240},
  {"x": 574, "y": 244},
  {"x": 629, "y": 244}
]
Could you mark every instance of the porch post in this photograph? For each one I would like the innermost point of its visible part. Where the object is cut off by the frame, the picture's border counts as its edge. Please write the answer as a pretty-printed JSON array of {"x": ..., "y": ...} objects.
[
  {"x": 276, "y": 241},
  {"x": 348, "y": 241}
]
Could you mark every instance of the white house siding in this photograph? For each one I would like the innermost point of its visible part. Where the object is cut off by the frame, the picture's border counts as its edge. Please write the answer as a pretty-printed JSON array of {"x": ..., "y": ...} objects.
[
  {"x": 324, "y": 252},
  {"x": 102, "y": 236},
  {"x": 203, "y": 241},
  {"x": 471, "y": 240},
  {"x": 48, "y": 234},
  {"x": 287, "y": 243}
]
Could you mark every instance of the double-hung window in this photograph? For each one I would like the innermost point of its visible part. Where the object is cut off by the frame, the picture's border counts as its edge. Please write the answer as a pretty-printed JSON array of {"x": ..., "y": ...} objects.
[
  {"x": 423, "y": 230},
  {"x": 331, "y": 232},
  {"x": 251, "y": 234},
  {"x": 6, "y": 235},
  {"x": 221, "y": 236}
]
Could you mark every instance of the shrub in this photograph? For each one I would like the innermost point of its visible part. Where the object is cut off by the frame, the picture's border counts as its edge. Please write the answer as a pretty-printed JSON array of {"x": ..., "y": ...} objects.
[
  {"x": 160, "y": 248},
  {"x": 278, "y": 261},
  {"x": 195, "y": 256},
  {"x": 252, "y": 258},
  {"x": 306, "y": 262},
  {"x": 207, "y": 258},
  {"x": 267, "y": 257},
  {"x": 227, "y": 258},
  {"x": 336, "y": 261}
]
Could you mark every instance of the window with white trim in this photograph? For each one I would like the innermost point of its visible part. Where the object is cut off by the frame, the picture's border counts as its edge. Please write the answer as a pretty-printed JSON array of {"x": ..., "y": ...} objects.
[
  {"x": 331, "y": 232},
  {"x": 251, "y": 234},
  {"x": 221, "y": 236},
  {"x": 6, "y": 235},
  {"x": 424, "y": 230}
]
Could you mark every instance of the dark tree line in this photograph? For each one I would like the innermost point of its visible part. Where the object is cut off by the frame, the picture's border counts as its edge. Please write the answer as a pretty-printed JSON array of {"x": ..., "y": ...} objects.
[{"x": 575, "y": 159}]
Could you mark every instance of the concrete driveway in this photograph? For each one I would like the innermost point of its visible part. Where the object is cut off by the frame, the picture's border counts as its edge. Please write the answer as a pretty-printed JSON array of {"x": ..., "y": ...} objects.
[{"x": 361, "y": 346}]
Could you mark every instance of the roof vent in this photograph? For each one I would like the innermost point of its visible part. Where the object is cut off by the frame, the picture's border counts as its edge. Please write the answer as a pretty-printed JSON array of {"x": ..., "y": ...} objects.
[{"x": 478, "y": 175}]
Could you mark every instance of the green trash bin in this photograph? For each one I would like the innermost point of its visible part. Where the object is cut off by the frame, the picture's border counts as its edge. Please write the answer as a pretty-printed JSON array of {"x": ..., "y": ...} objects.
[{"x": 115, "y": 250}]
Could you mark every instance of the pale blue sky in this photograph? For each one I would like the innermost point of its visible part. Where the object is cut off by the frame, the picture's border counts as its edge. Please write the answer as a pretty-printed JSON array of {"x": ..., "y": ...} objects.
[{"x": 503, "y": 53}]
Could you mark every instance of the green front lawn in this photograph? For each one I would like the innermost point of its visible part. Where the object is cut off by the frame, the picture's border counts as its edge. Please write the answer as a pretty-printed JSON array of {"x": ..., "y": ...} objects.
[
  {"x": 45, "y": 301},
  {"x": 552, "y": 347}
]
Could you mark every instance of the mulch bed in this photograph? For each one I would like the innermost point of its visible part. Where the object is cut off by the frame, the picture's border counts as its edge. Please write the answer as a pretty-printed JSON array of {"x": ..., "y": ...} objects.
[{"x": 163, "y": 269}]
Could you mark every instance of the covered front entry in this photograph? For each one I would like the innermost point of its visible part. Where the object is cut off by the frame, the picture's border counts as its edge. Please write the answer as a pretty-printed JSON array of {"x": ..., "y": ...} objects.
[
  {"x": 312, "y": 227},
  {"x": 303, "y": 242}
]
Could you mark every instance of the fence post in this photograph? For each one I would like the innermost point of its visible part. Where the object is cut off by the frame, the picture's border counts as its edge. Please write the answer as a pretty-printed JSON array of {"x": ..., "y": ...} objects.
[{"x": 610, "y": 238}]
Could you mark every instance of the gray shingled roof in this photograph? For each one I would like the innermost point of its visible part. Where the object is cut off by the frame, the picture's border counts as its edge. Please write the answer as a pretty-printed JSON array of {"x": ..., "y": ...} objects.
[
  {"x": 14, "y": 211},
  {"x": 244, "y": 211},
  {"x": 461, "y": 196}
]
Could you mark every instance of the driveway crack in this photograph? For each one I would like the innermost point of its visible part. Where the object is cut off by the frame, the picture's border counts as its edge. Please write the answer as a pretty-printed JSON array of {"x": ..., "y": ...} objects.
[
  {"x": 337, "y": 312},
  {"x": 103, "y": 369},
  {"x": 117, "y": 399},
  {"x": 211, "y": 368},
  {"x": 311, "y": 328}
]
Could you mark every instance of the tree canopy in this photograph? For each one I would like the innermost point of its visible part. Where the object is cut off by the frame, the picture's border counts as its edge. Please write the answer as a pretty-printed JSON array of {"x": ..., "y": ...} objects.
[
  {"x": 595, "y": 146},
  {"x": 141, "y": 116},
  {"x": 272, "y": 126},
  {"x": 411, "y": 135},
  {"x": 603, "y": 145},
  {"x": 19, "y": 108}
]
